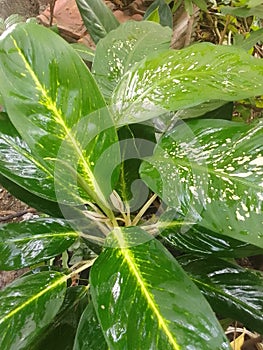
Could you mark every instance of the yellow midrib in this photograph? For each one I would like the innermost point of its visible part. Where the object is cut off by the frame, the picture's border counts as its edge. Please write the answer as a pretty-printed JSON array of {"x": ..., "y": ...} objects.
[
  {"x": 148, "y": 296},
  {"x": 34, "y": 297},
  {"x": 42, "y": 236},
  {"x": 49, "y": 103}
]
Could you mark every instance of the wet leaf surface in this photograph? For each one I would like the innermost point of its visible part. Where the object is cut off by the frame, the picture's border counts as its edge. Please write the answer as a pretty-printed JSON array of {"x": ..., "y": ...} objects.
[
  {"x": 231, "y": 290},
  {"x": 61, "y": 333},
  {"x": 122, "y": 48},
  {"x": 210, "y": 171},
  {"x": 30, "y": 242},
  {"x": 138, "y": 288},
  {"x": 51, "y": 107},
  {"x": 89, "y": 333},
  {"x": 27, "y": 306},
  {"x": 198, "y": 240},
  {"x": 181, "y": 79}
]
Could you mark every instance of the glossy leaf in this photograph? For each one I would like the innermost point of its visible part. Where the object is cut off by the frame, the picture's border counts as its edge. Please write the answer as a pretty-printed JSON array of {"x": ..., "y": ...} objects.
[
  {"x": 198, "y": 240},
  {"x": 30, "y": 242},
  {"x": 122, "y": 48},
  {"x": 37, "y": 82},
  {"x": 89, "y": 334},
  {"x": 138, "y": 288},
  {"x": 231, "y": 290},
  {"x": 212, "y": 109},
  {"x": 136, "y": 142},
  {"x": 27, "y": 306},
  {"x": 16, "y": 159},
  {"x": 211, "y": 172},
  {"x": 176, "y": 80},
  {"x": 50, "y": 105},
  {"x": 97, "y": 17},
  {"x": 60, "y": 334}
]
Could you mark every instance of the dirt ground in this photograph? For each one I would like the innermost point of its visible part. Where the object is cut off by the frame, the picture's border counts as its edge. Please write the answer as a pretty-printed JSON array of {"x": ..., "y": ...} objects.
[
  {"x": 12, "y": 210},
  {"x": 26, "y": 8}
]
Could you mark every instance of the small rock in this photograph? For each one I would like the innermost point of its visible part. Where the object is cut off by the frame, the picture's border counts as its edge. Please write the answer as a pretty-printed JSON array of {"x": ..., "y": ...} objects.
[
  {"x": 121, "y": 16},
  {"x": 137, "y": 17}
]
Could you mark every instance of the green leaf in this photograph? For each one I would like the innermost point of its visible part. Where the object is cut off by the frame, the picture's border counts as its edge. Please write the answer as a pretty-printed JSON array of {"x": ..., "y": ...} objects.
[
  {"x": 243, "y": 11},
  {"x": 60, "y": 334},
  {"x": 153, "y": 16},
  {"x": 89, "y": 334},
  {"x": 138, "y": 288},
  {"x": 36, "y": 82},
  {"x": 189, "y": 7},
  {"x": 136, "y": 142},
  {"x": 201, "y": 4},
  {"x": 16, "y": 159},
  {"x": 253, "y": 3},
  {"x": 176, "y": 80},
  {"x": 47, "y": 95},
  {"x": 198, "y": 240},
  {"x": 160, "y": 12},
  {"x": 223, "y": 112},
  {"x": 213, "y": 109},
  {"x": 231, "y": 290},
  {"x": 10, "y": 21},
  {"x": 252, "y": 39},
  {"x": 123, "y": 48},
  {"x": 27, "y": 306},
  {"x": 86, "y": 53},
  {"x": 176, "y": 5},
  {"x": 97, "y": 17},
  {"x": 30, "y": 242},
  {"x": 210, "y": 171}
]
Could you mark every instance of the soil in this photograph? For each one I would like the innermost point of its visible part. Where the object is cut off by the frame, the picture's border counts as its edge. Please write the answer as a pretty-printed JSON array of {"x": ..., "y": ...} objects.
[
  {"x": 12, "y": 210},
  {"x": 26, "y": 8}
]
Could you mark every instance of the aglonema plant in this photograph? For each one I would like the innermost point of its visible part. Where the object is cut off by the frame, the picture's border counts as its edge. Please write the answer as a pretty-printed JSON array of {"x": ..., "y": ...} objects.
[{"x": 154, "y": 203}]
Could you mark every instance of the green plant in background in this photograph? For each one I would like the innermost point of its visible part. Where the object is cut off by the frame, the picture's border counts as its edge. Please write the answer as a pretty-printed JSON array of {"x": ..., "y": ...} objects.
[
  {"x": 159, "y": 202},
  {"x": 8, "y": 22}
]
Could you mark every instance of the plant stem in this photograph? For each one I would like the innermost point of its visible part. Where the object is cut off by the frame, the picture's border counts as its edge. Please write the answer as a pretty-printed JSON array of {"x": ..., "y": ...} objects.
[
  {"x": 80, "y": 269},
  {"x": 228, "y": 20},
  {"x": 128, "y": 214},
  {"x": 143, "y": 210},
  {"x": 52, "y": 7},
  {"x": 99, "y": 240}
]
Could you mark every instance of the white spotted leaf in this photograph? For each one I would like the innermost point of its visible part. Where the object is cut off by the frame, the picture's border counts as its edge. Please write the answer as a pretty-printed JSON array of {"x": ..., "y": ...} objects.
[
  {"x": 176, "y": 80},
  {"x": 211, "y": 172},
  {"x": 125, "y": 46}
]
